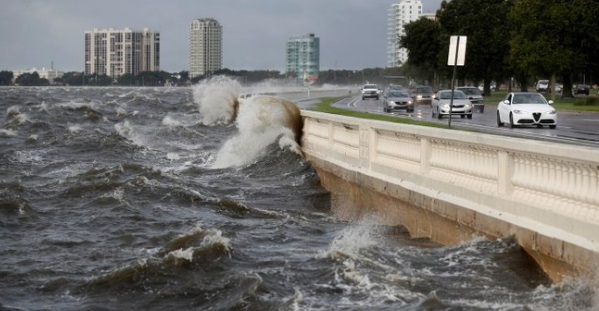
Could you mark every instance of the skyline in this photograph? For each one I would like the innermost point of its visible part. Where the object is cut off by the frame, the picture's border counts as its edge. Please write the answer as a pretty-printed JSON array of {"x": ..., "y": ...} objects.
[{"x": 37, "y": 33}]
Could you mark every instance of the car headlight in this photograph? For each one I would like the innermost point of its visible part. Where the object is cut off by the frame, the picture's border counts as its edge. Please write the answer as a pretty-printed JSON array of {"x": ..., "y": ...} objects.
[
  {"x": 552, "y": 112},
  {"x": 467, "y": 106},
  {"x": 410, "y": 102},
  {"x": 517, "y": 111},
  {"x": 446, "y": 106},
  {"x": 433, "y": 96},
  {"x": 418, "y": 97}
]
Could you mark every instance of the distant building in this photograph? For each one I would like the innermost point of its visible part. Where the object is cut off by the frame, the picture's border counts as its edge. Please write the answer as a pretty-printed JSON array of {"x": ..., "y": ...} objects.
[
  {"x": 303, "y": 58},
  {"x": 399, "y": 15},
  {"x": 117, "y": 52},
  {"x": 205, "y": 47},
  {"x": 431, "y": 16},
  {"x": 49, "y": 74}
]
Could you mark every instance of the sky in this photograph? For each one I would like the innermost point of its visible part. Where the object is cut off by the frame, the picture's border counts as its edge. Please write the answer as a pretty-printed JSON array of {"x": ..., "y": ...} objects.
[{"x": 353, "y": 33}]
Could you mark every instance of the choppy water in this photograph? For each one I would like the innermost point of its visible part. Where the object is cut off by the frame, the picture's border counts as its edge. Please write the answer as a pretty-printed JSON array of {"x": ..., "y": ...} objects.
[{"x": 124, "y": 199}]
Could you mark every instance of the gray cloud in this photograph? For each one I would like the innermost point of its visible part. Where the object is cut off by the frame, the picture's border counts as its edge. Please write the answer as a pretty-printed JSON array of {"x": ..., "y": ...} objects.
[{"x": 353, "y": 33}]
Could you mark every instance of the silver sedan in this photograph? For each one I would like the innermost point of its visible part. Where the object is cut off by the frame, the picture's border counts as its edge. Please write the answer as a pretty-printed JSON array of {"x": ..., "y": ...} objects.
[
  {"x": 397, "y": 100},
  {"x": 461, "y": 104}
]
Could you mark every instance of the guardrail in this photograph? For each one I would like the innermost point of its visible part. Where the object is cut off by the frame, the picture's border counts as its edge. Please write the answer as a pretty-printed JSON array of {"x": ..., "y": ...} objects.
[{"x": 546, "y": 194}]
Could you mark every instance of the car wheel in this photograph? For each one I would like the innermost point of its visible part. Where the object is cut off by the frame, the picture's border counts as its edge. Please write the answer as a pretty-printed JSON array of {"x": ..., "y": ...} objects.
[
  {"x": 377, "y": 98},
  {"x": 462, "y": 116},
  {"x": 511, "y": 121},
  {"x": 469, "y": 116},
  {"x": 362, "y": 97},
  {"x": 499, "y": 123},
  {"x": 433, "y": 113},
  {"x": 439, "y": 115},
  {"x": 552, "y": 126}
]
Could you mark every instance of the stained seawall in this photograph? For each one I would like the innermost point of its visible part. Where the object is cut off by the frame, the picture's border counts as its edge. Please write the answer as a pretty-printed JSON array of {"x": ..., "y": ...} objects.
[{"x": 451, "y": 185}]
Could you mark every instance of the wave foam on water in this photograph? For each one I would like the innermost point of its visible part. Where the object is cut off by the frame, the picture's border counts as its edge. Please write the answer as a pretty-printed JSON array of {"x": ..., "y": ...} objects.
[{"x": 261, "y": 121}]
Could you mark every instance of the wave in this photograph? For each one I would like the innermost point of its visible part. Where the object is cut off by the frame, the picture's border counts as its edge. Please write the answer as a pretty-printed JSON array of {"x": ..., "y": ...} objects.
[{"x": 261, "y": 121}]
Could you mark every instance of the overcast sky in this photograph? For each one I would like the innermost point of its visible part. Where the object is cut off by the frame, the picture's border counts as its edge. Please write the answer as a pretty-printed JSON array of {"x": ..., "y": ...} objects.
[{"x": 353, "y": 33}]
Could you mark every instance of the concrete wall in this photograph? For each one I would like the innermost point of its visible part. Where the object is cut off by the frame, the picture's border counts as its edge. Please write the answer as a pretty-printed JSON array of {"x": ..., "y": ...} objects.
[{"x": 449, "y": 185}]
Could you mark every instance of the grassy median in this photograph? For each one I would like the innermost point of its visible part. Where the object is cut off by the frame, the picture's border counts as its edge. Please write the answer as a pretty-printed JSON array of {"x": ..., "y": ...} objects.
[{"x": 325, "y": 106}]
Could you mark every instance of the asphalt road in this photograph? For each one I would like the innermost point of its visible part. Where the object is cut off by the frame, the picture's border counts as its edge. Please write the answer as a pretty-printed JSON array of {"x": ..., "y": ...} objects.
[{"x": 578, "y": 128}]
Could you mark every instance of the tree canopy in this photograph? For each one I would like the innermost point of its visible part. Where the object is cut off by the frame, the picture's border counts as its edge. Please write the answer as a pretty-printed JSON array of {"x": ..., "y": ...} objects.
[
  {"x": 6, "y": 77},
  {"x": 524, "y": 39},
  {"x": 423, "y": 42},
  {"x": 555, "y": 37}
]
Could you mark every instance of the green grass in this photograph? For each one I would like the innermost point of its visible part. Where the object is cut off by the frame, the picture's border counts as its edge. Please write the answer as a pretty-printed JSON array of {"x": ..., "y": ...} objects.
[{"x": 325, "y": 106}]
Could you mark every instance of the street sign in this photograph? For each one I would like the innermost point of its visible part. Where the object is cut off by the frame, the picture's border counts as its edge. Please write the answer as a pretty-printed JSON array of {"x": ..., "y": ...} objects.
[
  {"x": 456, "y": 57},
  {"x": 457, "y": 45}
]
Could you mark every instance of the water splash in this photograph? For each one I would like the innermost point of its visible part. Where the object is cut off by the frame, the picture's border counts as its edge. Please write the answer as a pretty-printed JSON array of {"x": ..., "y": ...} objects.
[
  {"x": 216, "y": 98},
  {"x": 261, "y": 120}
]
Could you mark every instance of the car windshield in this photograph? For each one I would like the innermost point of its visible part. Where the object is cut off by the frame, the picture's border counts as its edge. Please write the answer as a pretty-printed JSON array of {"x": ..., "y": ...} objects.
[
  {"x": 532, "y": 98},
  {"x": 456, "y": 95},
  {"x": 470, "y": 90},
  {"x": 398, "y": 94},
  {"x": 396, "y": 87},
  {"x": 370, "y": 86},
  {"x": 424, "y": 89}
]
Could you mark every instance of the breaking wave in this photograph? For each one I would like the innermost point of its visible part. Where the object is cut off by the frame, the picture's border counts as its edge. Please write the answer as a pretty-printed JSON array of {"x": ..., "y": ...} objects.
[{"x": 261, "y": 121}]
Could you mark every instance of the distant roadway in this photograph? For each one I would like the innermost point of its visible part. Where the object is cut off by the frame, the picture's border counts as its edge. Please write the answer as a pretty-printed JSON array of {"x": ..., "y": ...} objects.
[{"x": 580, "y": 128}]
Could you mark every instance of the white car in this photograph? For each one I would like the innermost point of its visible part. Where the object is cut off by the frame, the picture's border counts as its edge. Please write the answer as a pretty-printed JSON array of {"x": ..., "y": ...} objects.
[
  {"x": 461, "y": 104},
  {"x": 370, "y": 91},
  {"x": 526, "y": 108},
  {"x": 542, "y": 85}
]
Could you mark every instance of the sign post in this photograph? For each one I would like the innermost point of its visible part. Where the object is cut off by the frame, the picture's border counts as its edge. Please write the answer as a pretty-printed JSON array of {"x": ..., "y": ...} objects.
[{"x": 456, "y": 57}]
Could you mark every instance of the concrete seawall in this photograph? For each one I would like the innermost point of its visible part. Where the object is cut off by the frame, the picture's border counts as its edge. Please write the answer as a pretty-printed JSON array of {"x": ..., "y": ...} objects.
[{"x": 451, "y": 185}]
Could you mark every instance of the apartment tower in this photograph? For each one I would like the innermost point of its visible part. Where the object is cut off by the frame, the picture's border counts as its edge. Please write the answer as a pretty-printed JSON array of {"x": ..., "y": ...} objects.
[
  {"x": 303, "y": 58},
  {"x": 205, "y": 47},
  {"x": 399, "y": 15},
  {"x": 116, "y": 52}
]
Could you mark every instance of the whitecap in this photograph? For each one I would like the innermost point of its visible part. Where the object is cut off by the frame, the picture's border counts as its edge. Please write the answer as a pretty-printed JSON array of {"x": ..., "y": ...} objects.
[{"x": 7, "y": 133}]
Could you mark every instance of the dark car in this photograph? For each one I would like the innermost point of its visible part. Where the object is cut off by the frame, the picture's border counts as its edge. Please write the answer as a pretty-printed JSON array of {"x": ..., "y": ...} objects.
[
  {"x": 475, "y": 97},
  {"x": 423, "y": 94},
  {"x": 581, "y": 89}
]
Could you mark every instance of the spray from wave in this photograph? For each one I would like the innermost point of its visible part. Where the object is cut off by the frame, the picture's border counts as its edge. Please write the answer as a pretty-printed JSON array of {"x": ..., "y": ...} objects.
[{"x": 261, "y": 121}]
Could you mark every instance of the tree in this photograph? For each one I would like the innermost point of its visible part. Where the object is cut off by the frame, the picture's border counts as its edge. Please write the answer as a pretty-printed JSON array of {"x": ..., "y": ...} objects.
[
  {"x": 73, "y": 78},
  {"x": 126, "y": 80},
  {"x": 98, "y": 80},
  {"x": 6, "y": 77},
  {"x": 554, "y": 38},
  {"x": 31, "y": 79},
  {"x": 486, "y": 24},
  {"x": 422, "y": 40}
]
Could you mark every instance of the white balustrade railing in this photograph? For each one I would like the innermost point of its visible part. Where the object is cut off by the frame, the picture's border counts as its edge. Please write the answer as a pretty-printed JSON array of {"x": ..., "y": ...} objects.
[{"x": 552, "y": 187}]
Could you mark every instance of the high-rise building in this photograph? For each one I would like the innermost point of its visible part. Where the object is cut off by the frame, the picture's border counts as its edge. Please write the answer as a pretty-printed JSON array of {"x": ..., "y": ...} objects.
[
  {"x": 205, "y": 47},
  {"x": 399, "y": 15},
  {"x": 117, "y": 52},
  {"x": 303, "y": 57}
]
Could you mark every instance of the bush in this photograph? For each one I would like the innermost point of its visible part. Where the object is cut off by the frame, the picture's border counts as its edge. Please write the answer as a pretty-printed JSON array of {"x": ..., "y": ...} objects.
[{"x": 589, "y": 101}]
